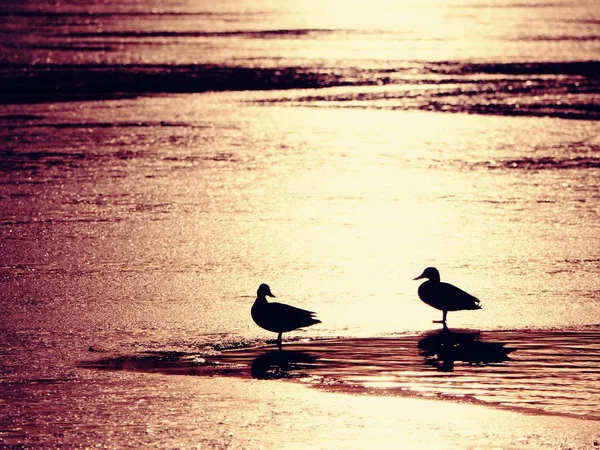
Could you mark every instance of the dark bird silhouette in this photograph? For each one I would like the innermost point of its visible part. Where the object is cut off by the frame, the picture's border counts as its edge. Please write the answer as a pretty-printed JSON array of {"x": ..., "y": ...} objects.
[
  {"x": 444, "y": 296},
  {"x": 278, "y": 317}
]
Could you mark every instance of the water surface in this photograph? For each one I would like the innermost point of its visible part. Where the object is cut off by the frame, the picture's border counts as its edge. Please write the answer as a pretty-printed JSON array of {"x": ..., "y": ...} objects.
[{"x": 159, "y": 161}]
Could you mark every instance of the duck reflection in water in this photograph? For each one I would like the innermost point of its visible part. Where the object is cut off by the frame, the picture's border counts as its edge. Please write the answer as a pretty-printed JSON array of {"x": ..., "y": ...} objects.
[
  {"x": 278, "y": 364},
  {"x": 442, "y": 348}
]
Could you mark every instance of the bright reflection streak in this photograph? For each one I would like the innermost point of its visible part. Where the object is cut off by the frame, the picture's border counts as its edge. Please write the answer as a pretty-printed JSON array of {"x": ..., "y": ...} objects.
[
  {"x": 364, "y": 214},
  {"x": 380, "y": 14},
  {"x": 313, "y": 419}
]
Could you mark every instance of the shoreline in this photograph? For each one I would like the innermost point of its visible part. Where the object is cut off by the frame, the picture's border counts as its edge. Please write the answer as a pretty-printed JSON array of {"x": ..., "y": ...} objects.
[
  {"x": 512, "y": 370},
  {"x": 125, "y": 409}
]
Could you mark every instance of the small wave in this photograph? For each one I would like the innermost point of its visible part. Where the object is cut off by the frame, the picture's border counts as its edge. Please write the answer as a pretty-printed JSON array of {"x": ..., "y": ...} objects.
[
  {"x": 11, "y": 160},
  {"x": 19, "y": 117},
  {"x": 54, "y": 46},
  {"x": 558, "y": 38},
  {"x": 565, "y": 90},
  {"x": 62, "y": 220},
  {"x": 33, "y": 161},
  {"x": 90, "y": 125},
  {"x": 583, "y": 261},
  {"x": 104, "y": 14},
  {"x": 491, "y": 89},
  {"x": 23, "y": 84},
  {"x": 548, "y": 163},
  {"x": 251, "y": 34},
  {"x": 585, "y": 68}
]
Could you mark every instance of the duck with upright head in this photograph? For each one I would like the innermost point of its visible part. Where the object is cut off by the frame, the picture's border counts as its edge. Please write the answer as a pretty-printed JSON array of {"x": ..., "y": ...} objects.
[
  {"x": 278, "y": 317},
  {"x": 444, "y": 296}
]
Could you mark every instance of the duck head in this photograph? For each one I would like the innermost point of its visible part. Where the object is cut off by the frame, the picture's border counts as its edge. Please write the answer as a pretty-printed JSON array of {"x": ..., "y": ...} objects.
[
  {"x": 264, "y": 290},
  {"x": 430, "y": 273}
]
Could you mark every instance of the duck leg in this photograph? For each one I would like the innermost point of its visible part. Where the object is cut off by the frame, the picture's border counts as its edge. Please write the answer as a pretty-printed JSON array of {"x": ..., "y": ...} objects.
[
  {"x": 279, "y": 341},
  {"x": 443, "y": 318}
]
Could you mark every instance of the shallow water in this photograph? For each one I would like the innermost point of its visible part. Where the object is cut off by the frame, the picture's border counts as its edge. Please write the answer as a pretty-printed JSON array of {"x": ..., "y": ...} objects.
[
  {"x": 330, "y": 32},
  {"x": 552, "y": 372},
  {"x": 160, "y": 161},
  {"x": 335, "y": 217},
  {"x": 157, "y": 240}
]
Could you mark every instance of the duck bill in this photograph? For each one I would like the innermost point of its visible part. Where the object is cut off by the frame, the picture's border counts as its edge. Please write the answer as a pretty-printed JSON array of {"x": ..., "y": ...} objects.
[
  {"x": 419, "y": 277},
  {"x": 270, "y": 295}
]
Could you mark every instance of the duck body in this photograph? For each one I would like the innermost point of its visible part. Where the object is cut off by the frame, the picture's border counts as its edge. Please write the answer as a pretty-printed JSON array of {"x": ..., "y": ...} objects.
[
  {"x": 444, "y": 296},
  {"x": 279, "y": 317}
]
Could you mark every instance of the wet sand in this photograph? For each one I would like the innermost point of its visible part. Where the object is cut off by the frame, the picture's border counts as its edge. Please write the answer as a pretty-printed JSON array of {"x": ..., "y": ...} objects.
[
  {"x": 136, "y": 410},
  {"x": 325, "y": 393}
]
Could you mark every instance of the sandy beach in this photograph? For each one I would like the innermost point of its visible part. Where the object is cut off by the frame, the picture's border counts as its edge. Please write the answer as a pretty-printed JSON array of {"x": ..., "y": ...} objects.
[{"x": 376, "y": 397}]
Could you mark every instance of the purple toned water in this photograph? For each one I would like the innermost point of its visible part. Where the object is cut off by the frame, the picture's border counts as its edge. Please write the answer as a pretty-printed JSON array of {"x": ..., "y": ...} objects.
[{"x": 159, "y": 161}]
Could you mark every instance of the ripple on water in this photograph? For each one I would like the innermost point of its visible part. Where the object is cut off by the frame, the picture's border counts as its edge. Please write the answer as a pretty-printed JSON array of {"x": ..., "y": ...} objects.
[{"x": 547, "y": 371}]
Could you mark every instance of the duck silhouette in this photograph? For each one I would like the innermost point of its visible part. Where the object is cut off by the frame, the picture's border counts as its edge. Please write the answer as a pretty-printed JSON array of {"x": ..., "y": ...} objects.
[
  {"x": 278, "y": 317},
  {"x": 444, "y": 296}
]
